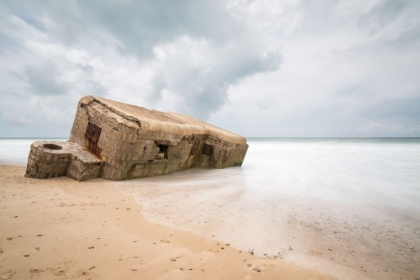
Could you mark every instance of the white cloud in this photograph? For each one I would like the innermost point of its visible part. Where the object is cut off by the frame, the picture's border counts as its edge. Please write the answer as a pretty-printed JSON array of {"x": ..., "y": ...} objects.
[
  {"x": 274, "y": 68},
  {"x": 14, "y": 117},
  {"x": 381, "y": 127}
]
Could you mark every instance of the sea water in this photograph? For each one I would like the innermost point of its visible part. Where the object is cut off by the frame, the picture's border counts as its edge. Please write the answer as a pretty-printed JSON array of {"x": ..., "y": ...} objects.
[
  {"x": 347, "y": 206},
  {"x": 16, "y": 151}
]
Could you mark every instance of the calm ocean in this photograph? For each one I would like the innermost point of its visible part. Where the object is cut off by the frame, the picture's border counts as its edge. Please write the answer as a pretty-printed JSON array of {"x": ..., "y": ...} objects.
[
  {"x": 345, "y": 206},
  {"x": 352, "y": 202},
  {"x": 16, "y": 151}
]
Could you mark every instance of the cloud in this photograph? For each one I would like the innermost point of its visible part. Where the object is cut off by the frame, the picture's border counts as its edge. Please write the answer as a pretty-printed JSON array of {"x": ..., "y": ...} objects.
[
  {"x": 195, "y": 50},
  {"x": 376, "y": 126},
  {"x": 44, "y": 79},
  {"x": 14, "y": 117},
  {"x": 170, "y": 56},
  {"x": 387, "y": 129},
  {"x": 193, "y": 76},
  {"x": 338, "y": 74},
  {"x": 274, "y": 68}
]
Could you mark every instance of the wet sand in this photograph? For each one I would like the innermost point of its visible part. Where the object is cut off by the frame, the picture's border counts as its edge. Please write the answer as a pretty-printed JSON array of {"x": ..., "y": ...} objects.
[
  {"x": 347, "y": 240},
  {"x": 63, "y": 229}
]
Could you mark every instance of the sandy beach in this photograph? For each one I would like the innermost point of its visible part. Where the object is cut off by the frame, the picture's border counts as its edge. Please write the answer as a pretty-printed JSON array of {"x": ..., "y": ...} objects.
[
  {"x": 63, "y": 229},
  {"x": 346, "y": 240}
]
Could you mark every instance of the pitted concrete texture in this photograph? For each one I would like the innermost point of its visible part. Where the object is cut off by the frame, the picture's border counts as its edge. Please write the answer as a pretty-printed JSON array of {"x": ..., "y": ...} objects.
[
  {"x": 152, "y": 120},
  {"x": 49, "y": 159},
  {"x": 118, "y": 141}
]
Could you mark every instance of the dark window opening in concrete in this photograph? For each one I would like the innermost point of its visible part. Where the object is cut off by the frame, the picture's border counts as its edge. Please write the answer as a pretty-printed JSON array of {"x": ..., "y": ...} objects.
[
  {"x": 163, "y": 149},
  {"x": 52, "y": 146},
  {"x": 207, "y": 150}
]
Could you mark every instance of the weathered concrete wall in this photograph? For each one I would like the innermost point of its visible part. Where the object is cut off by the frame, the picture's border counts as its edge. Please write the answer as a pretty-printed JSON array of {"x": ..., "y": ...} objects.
[
  {"x": 49, "y": 159},
  {"x": 132, "y": 142}
]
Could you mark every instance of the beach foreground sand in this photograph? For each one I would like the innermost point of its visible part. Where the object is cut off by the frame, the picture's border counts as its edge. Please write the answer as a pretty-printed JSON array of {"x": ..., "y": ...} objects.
[{"x": 63, "y": 229}]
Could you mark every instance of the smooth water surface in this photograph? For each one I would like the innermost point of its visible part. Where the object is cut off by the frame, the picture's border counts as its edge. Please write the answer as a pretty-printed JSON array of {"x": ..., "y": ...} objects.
[
  {"x": 352, "y": 203},
  {"x": 16, "y": 151},
  {"x": 348, "y": 205}
]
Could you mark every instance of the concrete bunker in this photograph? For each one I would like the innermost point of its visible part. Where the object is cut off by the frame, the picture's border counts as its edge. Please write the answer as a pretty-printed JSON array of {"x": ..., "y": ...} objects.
[{"x": 119, "y": 141}]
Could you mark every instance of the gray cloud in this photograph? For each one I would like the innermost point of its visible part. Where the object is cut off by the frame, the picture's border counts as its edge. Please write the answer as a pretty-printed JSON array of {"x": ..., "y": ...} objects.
[
  {"x": 384, "y": 14},
  {"x": 202, "y": 87},
  {"x": 35, "y": 22},
  {"x": 142, "y": 26},
  {"x": 393, "y": 23},
  {"x": 290, "y": 68},
  {"x": 44, "y": 79},
  {"x": 184, "y": 33}
]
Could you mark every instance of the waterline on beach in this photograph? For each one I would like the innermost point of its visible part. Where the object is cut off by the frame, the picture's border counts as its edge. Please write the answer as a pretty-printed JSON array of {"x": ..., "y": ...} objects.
[
  {"x": 349, "y": 203},
  {"x": 353, "y": 203}
]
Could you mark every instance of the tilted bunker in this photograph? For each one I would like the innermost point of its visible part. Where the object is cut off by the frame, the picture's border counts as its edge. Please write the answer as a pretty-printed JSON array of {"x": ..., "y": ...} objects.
[{"x": 118, "y": 141}]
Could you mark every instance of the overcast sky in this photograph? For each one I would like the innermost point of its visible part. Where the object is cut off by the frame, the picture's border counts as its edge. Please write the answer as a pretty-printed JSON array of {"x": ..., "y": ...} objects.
[{"x": 257, "y": 68}]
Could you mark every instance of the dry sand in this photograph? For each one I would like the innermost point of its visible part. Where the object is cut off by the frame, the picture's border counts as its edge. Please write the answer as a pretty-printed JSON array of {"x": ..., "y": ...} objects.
[{"x": 63, "y": 229}]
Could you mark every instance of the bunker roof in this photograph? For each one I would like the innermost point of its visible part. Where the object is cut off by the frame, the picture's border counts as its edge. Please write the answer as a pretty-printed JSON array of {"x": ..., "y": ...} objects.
[{"x": 165, "y": 122}]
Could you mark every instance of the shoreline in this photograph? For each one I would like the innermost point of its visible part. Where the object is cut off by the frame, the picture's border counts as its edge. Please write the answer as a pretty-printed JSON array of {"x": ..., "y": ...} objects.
[
  {"x": 346, "y": 240},
  {"x": 59, "y": 227}
]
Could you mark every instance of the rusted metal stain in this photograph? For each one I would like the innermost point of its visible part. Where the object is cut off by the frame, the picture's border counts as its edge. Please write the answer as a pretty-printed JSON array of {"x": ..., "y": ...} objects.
[
  {"x": 194, "y": 149},
  {"x": 91, "y": 139}
]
